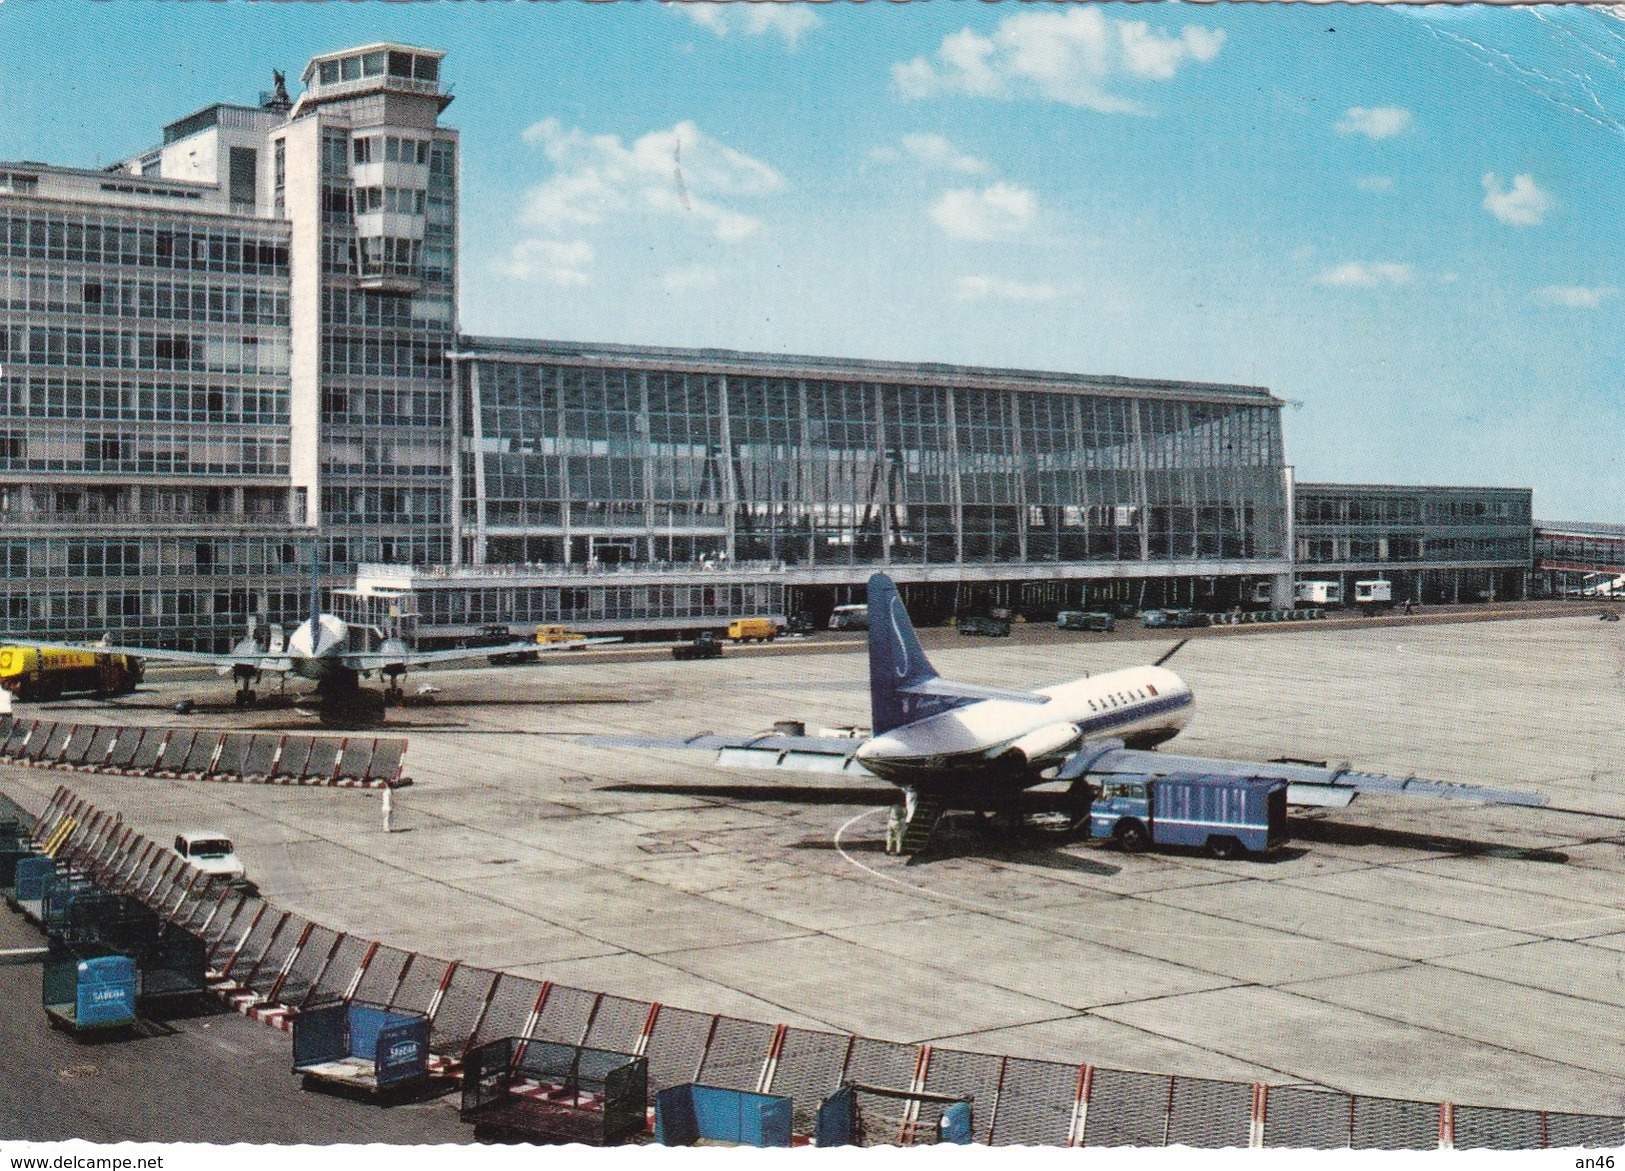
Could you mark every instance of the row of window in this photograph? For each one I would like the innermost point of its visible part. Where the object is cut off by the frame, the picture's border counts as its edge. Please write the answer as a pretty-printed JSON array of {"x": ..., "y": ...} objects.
[
  {"x": 385, "y": 356},
  {"x": 81, "y": 504},
  {"x": 151, "y": 556},
  {"x": 68, "y": 397},
  {"x": 1316, "y": 509},
  {"x": 398, "y": 406},
  {"x": 383, "y": 506},
  {"x": 395, "y": 200},
  {"x": 111, "y": 297},
  {"x": 100, "y": 348},
  {"x": 782, "y": 414},
  {"x": 184, "y": 454},
  {"x": 92, "y": 239},
  {"x": 390, "y": 148},
  {"x": 441, "y": 607},
  {"x": 352, "y": 307},
  {"x": 1410, "y": 548}
]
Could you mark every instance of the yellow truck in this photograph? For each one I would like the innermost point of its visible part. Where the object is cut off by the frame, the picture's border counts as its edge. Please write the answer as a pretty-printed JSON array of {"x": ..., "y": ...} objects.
[
  {"x": 753, "y": 630},
  {"x": 548, "y": 635},
  {"x": 33, "y": 674}
]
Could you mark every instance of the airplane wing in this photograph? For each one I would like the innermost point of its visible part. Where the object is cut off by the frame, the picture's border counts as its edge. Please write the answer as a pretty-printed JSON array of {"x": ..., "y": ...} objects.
[
  {"x": 261, "y": 660},
  {"x": 1308, "y": 784},
  {"x": 936, "y": 685},
  {"x": 809, "y": 754},
  {"x": 375, "y": 660}
]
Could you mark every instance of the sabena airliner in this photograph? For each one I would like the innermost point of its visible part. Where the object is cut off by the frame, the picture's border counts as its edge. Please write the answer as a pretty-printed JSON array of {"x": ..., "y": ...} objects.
[
  {"x": 319, "y": 649},
  {"x": 949, "y": 745}
]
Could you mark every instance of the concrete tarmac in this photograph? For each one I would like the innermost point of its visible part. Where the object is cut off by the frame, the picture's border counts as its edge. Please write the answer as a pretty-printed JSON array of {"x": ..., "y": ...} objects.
[{"x": 1400, "y": 947}]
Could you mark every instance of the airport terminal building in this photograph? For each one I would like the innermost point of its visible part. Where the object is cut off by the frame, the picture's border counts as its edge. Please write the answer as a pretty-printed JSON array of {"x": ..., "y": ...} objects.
[{"x": 243, "y": 343}]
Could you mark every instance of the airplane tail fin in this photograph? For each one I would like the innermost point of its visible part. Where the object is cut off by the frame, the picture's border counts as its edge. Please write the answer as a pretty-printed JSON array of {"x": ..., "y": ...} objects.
[
  {"x": 315, "y": 588},
  {"x": 896, "y": 662}
]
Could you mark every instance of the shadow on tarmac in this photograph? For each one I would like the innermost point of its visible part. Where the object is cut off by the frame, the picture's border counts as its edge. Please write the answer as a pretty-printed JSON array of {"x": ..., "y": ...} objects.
[{"x": 1344, "y": 834}]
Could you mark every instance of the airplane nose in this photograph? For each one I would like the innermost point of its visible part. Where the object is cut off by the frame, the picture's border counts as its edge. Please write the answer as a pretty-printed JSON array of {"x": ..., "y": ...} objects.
[{"x": 879, "y": 748}]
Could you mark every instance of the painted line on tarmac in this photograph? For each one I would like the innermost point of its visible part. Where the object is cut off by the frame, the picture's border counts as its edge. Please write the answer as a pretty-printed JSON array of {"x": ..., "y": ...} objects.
[{"x": 1290, "y": 940}]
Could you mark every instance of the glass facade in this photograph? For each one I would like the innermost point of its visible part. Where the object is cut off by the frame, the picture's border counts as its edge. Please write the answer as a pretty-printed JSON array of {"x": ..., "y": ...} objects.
[
  {"x": 1573, "y": 559},
  {"x": 144, "y": 444},
  {"x": 1440, "y": 544},
  {"x": 615, "y": 463},
  {"x": 388, "y": 318}
]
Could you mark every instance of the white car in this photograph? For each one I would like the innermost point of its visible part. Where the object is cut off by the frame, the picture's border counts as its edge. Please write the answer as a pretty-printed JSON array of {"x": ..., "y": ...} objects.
[{"x": 211, "y": 852}]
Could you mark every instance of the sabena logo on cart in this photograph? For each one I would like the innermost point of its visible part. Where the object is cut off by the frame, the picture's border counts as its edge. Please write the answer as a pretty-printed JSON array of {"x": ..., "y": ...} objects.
[{"x": 403, "y": 1051}]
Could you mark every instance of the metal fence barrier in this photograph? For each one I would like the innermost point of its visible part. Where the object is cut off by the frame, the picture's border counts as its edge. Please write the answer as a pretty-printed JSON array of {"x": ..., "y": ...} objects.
[
  {"x": 276, "y": 959},
  {"x": 264, "y": 758}
]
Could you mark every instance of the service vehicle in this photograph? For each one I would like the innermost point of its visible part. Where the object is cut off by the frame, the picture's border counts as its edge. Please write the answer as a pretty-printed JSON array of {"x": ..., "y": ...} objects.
[
  {"x": 705, "y": 646},
  {"x": 1173, "y": 617},
  {"x": 524, "y": 1090},
  {"x": 1228, "y": 816},
  {"x": 853, "y": 617},
  {"x": 753, "y": 630},
  {"x": 1085, "y": 620},
  {"x": 988, "y": 627},
  {"x": 1371, "y": 596},
  {"x": 211, "y": 852},
  {"x": 32, "y": 673},
  {"x": 496, "y": 634},
  {"x": 801, "y": 622},
  {"x": 562, "y": 635},
  {"x": 1318, "y": 593}
]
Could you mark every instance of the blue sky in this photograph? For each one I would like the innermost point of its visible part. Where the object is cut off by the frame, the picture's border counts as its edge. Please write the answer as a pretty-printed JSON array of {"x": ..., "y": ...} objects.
[{"x": 1405, "y": 219}]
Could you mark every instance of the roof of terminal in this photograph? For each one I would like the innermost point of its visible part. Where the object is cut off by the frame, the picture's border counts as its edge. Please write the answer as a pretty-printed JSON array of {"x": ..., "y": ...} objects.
[{"x": 716, "y": 361}]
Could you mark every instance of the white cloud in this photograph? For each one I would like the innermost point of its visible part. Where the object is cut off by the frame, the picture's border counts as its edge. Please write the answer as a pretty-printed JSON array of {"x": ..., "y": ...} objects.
[
  {"x": 1577, "y": 296},
  {"x": 933, "y": 150},
  {"x": 1362, "y": 275},
  {"x": 789, "y": 19},
  {"x": 981, "y": 288},
  {"x": 1375, "y": 123},
  {"x": 557, "y": 262},
  {"x": 993, "y": 213},
  {"x": 681, "y": 280},
  {"x": 1376, "y": 184},
  {"x": 677, "y": 173},
  {"x": 1069, "y": 57},
  {"x": 1523, "y": 204}
]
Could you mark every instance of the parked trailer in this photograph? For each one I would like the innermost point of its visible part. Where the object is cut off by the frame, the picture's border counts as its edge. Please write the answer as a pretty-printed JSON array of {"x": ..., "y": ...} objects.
[
  {"x": 35, "y": 875},
  {"x": 89, "y": 988},
  {"x": 31, "y": 674},
  {"x": 1085, "y": 620},
  {"x": 692, "y": 1113},
  {"x": 1229, "y": 816},
  {"x": 171, "y": 963},
  {"x": 521, "y": 1091},
  {"x": 1371, "y": 596},
  {"x": 360, "y": 1048},
  {"x": 1318, "y": 593},
  {"x": 872, "y": 1116}
]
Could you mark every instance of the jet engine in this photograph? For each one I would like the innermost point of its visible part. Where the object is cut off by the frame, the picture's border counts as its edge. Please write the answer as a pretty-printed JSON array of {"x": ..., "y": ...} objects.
[{"x": 1041, "y": 742}]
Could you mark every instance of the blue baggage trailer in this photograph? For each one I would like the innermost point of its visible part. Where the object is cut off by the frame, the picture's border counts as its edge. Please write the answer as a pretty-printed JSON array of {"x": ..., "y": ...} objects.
[
  {"x": 1227, "y": 816},
  {"x": 364, "y": 1049},
  {"x": 35, "y": 875},
  {"x": 691, "y": 1113},
  {"x": 89, "y": 989}
]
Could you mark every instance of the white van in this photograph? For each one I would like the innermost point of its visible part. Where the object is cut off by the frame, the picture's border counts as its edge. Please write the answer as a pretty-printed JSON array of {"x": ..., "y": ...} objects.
[
  {"x": 211, "y": 852},
  {"x": 853, "y": 617}
]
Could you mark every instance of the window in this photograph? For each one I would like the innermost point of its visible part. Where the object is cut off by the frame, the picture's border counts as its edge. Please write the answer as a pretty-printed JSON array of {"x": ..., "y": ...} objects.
[
  {"x": 365, "y": 151},
  {"x": 427, "y": 68},
  {"x": 373, "y": 64},
  {"x": 329, "y": 72},
  {"x": 400, "y": 64},
  {"x": 92, "y": 293}
]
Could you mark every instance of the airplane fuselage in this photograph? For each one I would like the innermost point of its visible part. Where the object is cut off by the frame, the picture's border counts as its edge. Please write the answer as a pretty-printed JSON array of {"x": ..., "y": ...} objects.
[
  {"x": 1142, "y": 706},
  {"x": 316, "y": 646}
]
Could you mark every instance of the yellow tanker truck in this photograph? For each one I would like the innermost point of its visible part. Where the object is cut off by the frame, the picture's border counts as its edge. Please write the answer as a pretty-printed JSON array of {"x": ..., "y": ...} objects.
[{"x": 34, "y": 674}]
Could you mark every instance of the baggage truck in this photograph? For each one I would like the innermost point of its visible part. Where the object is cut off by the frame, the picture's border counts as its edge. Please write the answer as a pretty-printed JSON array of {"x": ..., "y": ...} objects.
[
  {"x": 89, "y": 988},
  {"x": 34, "y": 674},
  {"x": 1228, "y": 816},
  {"x": 753, "y": 630}
]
